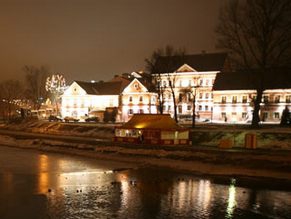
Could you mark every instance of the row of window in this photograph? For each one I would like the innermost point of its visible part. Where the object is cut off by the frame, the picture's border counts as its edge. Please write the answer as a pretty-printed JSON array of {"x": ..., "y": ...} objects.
[
  {"x": 189, "y": 107},
  {"x": 140, "y": 111},
  {"x": 265, "y": 99},
  {"x": 190, "y": 82},
  {"x": 140, "y": 98},
  {"x": 244, "y": 115}
]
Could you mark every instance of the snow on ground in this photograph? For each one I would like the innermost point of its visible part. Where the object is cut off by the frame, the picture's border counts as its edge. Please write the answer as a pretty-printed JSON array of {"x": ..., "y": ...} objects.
[{"x": 199, "y": 162}]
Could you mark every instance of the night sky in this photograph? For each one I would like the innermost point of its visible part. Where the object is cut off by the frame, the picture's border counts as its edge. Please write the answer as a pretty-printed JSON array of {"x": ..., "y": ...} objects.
[{"x": 96, "y": 39}]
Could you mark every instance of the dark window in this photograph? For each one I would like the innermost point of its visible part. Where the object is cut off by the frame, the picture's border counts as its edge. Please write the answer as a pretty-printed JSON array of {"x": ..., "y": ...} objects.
[
  {"x": 140, "y": 99},
  {"x": 130, "y": 111},
  {"x": 234, "y": 99},
  {"x": 180, "y": 109},
  {"x": 277, "y": 115},
  {"x": 244, "y": 115},
  {"x": 130, "y": 99},
  {"x": 266, "y": 99},
  {"x": 277, "y": 99}
]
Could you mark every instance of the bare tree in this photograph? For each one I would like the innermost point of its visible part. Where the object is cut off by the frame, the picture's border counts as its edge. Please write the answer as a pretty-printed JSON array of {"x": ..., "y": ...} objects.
[
  {"x": 163, "y": 61},
  {"x": 35, "y": 82},
  {"x": 257, "y": 33},
  {"x": 192, "y": 91},
  {"x": 172, "y": 85},
  {"x": 10, "y": 95}
]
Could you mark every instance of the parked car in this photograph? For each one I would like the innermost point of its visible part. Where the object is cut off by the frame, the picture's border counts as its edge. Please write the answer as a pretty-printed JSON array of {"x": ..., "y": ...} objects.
[
  {"x": 92, "y": 119},
  {"x": 52, "y": 118},
  {"x": 70, "y": 119}
]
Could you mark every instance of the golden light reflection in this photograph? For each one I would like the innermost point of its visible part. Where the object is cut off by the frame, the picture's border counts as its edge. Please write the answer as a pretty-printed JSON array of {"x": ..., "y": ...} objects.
[
  {"x": 42, "y": 182},
  {"x": 43, "y": 176},
  {"x": 182, "y": 194},
  {"x": 231, "y": 201},
  {"x": 123, "y": 179},
  {"x": 204, "y": 193}
]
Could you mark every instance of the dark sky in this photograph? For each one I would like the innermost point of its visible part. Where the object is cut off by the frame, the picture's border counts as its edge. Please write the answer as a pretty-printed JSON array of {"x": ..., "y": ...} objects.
[{"x": 96, "y": 39}]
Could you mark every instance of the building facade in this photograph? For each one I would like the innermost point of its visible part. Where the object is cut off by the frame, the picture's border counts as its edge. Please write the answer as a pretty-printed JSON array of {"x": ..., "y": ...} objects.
[
  {"x": 130, "y": 96},
  {"x": 192, "y": 81},
  {"x": 234, "y": 95}
]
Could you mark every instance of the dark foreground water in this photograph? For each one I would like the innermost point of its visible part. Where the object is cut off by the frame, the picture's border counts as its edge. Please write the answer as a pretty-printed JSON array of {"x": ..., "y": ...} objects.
[{"x": 46, "y": 185}]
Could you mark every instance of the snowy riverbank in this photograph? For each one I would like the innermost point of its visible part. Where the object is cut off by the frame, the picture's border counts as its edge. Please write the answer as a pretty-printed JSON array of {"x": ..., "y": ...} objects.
[
  {"x": 268, "y": 137},
  {"x": 236, "y": 163}
]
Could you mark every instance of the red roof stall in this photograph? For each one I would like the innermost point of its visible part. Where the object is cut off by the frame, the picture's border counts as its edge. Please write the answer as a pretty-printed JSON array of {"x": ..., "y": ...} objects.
[{"x": 152, "y": 129}]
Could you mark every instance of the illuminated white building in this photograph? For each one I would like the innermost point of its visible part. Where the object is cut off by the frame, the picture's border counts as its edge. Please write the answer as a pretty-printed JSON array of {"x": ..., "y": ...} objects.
[
  {"x": 83, "y": 97},
  {"x": 128, "y": 95},
  {"x": 137, "y": 99},
  {"x": 192, "y": 75},
  {"x": 234, "y": 94}
]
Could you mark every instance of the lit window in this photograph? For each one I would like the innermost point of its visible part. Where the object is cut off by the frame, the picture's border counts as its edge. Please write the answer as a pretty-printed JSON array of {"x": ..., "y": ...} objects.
[
  {"x": 244, "y": 99},
  {"x": 288, "y": 99},
  {"x": 234, "y": 99},
  {"x": 277, "y": 99},
  {"x": 200, "y": 95},
  {"x": 223, "y": 99}
]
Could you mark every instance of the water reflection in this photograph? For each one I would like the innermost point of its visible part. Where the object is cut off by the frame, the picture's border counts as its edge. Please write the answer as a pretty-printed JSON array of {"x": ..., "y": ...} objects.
[
  {"x": 231, "y": 200},
  {"x": 58, "y": 186}
]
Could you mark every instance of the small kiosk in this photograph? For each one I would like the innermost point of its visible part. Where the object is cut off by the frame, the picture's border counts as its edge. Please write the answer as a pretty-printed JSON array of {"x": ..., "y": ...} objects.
[{"x": 158, "y": 129}]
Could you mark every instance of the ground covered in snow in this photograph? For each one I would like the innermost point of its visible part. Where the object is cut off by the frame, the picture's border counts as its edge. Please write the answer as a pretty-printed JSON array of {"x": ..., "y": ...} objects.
[
  {"x": 271, "y": 158},
  {"x": 105, "y": 131}
]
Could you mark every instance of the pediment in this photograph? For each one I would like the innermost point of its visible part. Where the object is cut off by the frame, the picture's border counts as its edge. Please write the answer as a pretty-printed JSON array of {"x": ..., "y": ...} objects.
[
  {"x": 75, "y": 89},
  {"x": 186, "y": 68},
  {"x": 135, "y": 86}
]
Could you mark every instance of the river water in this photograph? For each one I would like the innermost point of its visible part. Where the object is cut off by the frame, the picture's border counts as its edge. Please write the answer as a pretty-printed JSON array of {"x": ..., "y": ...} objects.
[{"x": 47, "y": 185}]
